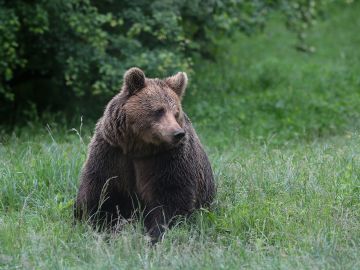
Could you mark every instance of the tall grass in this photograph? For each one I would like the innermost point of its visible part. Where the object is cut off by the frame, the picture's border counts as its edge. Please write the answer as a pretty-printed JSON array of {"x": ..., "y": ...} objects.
[{"x": 289, "y": 207}]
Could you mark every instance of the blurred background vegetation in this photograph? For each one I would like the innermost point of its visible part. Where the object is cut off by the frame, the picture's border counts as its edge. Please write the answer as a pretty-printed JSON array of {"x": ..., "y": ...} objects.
[{"x": 264, "y": 69}]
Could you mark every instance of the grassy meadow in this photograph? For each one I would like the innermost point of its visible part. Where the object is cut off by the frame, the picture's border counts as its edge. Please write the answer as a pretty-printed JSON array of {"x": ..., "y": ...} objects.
[{"x": 281, "y": 130}]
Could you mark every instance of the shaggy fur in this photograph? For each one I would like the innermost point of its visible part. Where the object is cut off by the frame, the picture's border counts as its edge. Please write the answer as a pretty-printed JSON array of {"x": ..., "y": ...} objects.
[{"x": 145, "y": 154}]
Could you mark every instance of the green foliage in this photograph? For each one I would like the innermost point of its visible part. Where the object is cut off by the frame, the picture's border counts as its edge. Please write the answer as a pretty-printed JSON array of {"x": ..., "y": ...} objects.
[
  {"x": 9, "y": 55},
  {"x": 54, "y": 52},
  {"x": 301, "y": 15}
]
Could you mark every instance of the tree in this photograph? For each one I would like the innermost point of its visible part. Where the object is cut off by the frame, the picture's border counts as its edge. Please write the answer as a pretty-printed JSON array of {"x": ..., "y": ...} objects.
[{"x": 52, "y": 52}]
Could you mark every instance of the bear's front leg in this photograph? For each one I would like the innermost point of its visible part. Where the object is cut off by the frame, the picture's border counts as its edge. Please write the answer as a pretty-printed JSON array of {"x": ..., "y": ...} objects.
[
  {"x": 156, "y": 222},
  {"x": 160, "y": 215}
]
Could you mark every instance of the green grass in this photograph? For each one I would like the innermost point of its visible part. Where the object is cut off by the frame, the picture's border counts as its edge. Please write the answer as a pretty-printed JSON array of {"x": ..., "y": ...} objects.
[
  {"x": 280, "y": 128},
  {"x": 297, "y": 206},
  {"x": 264, "y": 89}
]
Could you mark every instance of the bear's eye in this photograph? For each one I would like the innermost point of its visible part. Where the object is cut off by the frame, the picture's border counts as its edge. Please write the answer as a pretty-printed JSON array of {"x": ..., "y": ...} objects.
[
  {"x": 159, "y": 112},
  {"x": 177, "y": 114}
]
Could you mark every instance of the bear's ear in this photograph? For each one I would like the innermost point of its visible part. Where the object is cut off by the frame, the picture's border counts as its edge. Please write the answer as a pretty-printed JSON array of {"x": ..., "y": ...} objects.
[
  {"x": 178, "y": 83},
  {"x": 134, "y": 80}
]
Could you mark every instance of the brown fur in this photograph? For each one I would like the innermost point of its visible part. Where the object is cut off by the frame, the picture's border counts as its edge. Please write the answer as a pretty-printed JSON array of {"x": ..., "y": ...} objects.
[{"x": 145, "y": 154}]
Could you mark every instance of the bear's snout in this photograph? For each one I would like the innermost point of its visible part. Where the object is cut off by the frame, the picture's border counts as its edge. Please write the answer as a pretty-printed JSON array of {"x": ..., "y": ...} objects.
[{"x": 178, "y": 135}]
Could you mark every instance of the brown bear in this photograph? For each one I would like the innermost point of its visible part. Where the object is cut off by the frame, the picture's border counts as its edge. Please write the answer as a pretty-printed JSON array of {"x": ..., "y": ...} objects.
[{"x": 145, "y": 155}]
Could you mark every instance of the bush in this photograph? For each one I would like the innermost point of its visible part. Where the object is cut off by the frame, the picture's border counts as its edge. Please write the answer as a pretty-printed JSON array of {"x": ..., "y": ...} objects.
[{"x": 55, "y": 51}]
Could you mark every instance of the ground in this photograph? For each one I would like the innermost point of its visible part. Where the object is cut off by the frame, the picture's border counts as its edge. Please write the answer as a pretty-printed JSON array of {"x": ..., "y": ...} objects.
[
  {"x": 294, "y": 206},
  {"x": 281, "y": 130}
]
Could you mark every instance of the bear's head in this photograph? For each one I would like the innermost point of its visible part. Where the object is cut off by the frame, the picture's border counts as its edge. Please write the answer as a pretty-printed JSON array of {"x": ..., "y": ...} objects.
[{"x": 146, "y": 113}]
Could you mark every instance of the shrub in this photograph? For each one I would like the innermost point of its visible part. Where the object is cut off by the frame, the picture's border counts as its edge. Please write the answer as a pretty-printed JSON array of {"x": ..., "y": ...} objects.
[{"x": 55, "y": 51}]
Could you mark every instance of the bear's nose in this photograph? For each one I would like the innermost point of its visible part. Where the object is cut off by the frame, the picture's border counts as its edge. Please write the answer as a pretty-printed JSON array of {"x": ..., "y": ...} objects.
[{"x": 179, "y": 134}]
